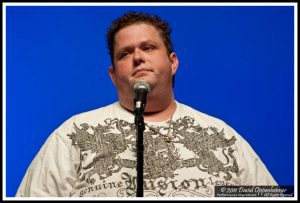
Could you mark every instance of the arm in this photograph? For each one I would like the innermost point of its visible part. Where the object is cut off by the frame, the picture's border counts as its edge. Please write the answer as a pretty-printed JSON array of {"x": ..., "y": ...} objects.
[
  {"x": 53, "y": 170},
  {"x": 252, "y": 170}
]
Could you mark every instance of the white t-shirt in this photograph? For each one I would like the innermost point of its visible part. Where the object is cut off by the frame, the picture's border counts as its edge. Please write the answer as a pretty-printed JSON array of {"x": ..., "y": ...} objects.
[{"x": 93, "y": 154}]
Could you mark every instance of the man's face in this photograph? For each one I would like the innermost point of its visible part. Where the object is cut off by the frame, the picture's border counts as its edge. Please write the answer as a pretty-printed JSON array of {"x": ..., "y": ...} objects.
[{"x": 140, "y": 54}]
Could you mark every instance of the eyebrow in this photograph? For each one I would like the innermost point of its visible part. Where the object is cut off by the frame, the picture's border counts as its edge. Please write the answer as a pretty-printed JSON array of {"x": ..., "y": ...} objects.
[
  {"x": 148, "y": 42},
  {"x": 143, "y": 43}
]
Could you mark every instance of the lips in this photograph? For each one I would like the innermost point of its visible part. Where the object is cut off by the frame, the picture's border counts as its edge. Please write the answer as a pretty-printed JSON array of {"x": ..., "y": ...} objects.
[{"x": 140, "y": 71}]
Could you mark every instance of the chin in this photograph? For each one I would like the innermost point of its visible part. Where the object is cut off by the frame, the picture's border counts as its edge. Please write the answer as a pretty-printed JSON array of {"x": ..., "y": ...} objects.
[
  {"x": 141, "y": 78},
  {"x": 149, "y": 80}
]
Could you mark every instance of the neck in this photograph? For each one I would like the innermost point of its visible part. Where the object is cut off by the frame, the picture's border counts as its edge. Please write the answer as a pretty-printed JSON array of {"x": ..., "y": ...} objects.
[
  {"x": 157, "y": 109},
  {"x": 161, "y": 115}
]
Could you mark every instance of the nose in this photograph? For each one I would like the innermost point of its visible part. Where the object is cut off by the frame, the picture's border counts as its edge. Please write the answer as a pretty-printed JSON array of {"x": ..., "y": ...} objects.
[{"x": 138, "y": 57}]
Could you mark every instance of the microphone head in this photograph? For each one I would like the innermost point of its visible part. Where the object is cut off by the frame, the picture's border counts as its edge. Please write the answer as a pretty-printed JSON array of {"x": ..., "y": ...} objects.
[{"x": 142, "y": 84}]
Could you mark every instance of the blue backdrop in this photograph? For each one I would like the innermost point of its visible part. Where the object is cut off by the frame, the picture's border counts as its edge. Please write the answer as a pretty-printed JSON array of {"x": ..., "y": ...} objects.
[{"x": 236, "y": 63}]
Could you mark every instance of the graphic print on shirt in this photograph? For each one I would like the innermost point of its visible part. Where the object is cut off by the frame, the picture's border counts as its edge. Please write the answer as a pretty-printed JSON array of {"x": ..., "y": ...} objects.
[{"x": 162, "y": 160}]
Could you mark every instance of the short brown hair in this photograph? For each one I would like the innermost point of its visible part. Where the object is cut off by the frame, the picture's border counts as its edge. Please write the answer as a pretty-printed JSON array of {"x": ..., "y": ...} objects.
[{"x": 133, "y": 17}]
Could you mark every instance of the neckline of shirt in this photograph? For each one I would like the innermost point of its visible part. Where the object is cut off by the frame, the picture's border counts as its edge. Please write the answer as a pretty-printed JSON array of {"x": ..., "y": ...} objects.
[{"x": 126, "y": 114}]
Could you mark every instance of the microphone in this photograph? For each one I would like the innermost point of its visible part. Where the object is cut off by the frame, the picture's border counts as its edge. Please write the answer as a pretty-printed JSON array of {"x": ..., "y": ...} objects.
[{"x": 141, "y": 89}]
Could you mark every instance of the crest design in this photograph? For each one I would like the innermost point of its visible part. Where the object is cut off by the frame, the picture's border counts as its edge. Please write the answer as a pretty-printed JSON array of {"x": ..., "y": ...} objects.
[{"x": 161, "y": 159}]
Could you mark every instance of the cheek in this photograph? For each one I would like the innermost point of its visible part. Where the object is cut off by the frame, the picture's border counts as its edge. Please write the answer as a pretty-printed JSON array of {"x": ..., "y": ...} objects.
[
  {"x": 121, "y": 69},
  {"x": 165, "y": 66},
  {"x": 122, "y": 74}
]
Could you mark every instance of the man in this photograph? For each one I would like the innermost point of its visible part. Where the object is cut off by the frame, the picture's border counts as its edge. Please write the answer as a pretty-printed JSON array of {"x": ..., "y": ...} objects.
[{"x": 187, "y": 153}]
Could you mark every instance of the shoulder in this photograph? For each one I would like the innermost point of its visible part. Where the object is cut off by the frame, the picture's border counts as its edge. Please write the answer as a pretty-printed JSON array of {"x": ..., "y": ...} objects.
[
  {"x": 204, "y": 120},
  {"x": 95, "y": 114},
  {"x": 90, "y": 118},
  {"x": 200, "y": 117}
]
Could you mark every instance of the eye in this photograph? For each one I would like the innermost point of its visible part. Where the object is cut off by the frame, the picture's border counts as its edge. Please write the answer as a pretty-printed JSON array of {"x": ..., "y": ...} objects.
[
  {"x": 122, "y": 55},
  {"x": 148, "y": 48}
]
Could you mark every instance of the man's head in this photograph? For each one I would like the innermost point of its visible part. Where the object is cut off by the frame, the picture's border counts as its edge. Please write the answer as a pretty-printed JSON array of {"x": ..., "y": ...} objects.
[
  {"x": 136, "y": 18},
  {"x": 141, "y": 49},
  {"x": 131, "y": 18}
]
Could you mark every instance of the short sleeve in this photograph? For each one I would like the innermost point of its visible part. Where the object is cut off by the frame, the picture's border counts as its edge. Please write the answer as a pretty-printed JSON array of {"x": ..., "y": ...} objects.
[{"x": 53, "y": 170}]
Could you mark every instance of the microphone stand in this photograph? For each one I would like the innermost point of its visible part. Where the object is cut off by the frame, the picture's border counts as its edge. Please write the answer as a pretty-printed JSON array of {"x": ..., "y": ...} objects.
[
  {"x": 140, "y": 127},
  {"x": 140, "y": 103}
]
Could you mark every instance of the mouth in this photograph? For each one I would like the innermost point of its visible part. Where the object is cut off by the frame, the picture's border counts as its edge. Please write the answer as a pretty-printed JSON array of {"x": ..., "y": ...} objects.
[{"x": 141, "y": 71}]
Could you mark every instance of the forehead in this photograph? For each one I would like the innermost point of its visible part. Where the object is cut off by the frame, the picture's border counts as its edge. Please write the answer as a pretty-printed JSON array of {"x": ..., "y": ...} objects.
[{"x": 137, "y": 31}]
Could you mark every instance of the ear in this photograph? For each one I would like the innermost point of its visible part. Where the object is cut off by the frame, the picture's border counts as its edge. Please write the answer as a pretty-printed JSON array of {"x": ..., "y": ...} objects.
[
  {"x": 174, "y": 62},
  {"x": 112, "y": 74}
]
